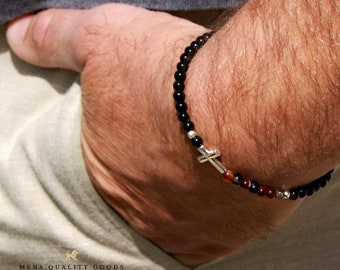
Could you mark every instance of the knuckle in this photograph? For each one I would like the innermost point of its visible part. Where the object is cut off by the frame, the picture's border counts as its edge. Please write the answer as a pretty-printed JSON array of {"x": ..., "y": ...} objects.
[
  {"x": 144, "y": 228},
  {"x": 42, "y": 27},
  {"x": 93, "y": 34}
]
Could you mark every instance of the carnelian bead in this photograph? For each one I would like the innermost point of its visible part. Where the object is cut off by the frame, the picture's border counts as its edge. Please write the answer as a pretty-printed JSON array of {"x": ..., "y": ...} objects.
[
  {"x": 270, "y": 192},
  {"x": 228, "y": 175},
  {"x": 262, "y": 191},
  {"x": 245, "y": 183}
]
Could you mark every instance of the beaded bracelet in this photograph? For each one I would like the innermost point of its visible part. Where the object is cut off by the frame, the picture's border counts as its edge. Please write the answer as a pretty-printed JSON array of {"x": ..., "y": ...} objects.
[{"x": 212, "y": 155}]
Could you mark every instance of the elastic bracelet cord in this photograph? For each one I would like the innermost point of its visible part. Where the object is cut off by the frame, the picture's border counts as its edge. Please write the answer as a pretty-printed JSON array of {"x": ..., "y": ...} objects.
[{"x": 212, "y": 156}]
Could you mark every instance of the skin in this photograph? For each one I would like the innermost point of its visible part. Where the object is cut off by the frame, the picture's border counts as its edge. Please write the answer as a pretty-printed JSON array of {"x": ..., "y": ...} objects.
[{"x": 264, "y": 91}]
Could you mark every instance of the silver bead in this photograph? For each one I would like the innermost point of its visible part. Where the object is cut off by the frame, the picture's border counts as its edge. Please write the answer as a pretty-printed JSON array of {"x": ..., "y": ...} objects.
[
  {"x": 282, "y": 194},
  {"x": 279, "y": 194},
  {"x": 286, "y": 194},
  {"x": 191, "y": 134},
  {"x": 236, "y": 180}
]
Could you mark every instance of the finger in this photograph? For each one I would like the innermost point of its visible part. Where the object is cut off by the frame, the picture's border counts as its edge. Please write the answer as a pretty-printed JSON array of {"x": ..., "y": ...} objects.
[
  {"x": 48, "y": 39},
  {"x": 66, "y": 38}
]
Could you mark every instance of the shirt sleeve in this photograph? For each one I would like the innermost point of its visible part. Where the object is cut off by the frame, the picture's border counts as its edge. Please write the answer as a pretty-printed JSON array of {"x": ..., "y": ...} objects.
[{"x": 15, "y": 8}]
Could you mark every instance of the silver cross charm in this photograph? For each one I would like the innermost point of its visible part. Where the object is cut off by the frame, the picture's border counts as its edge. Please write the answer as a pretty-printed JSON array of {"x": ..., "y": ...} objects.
[{"x": 211, "y": 156}]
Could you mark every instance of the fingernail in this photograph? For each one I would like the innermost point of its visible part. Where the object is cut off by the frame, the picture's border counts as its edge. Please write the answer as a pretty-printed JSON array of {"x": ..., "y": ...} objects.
[{"x": 16, "y": 30}]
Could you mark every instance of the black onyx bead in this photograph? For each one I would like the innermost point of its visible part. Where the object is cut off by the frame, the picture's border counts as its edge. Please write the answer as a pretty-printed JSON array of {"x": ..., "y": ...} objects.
[
  {"x": 309, "y": 190},
  {"x": 316, "y": 185},
  {"x": 194, "y": 46},
  {"x": 294, "y": 194},
  {"x": 182, "y": 66},
  {"x": 188, "y": 125},
  {"x": 178, "y": 86},
  {"x": 322, "y": 182},
  {"x": 197, "y": 141},
  {"x": 179, "y": 96},
  {"x": 207, "y": 36},
  {"x": 180, "y": 76},
  {"x": 189, "y": 52},
  {"x": 184, "y": 116},
  {"x": 184, "y": 58},
  {"x": 302, "y": 192},
  {"x": 200, "y": 41},
  {"x": 254, "y": 187},
  {"x": 181, "y": 106}
]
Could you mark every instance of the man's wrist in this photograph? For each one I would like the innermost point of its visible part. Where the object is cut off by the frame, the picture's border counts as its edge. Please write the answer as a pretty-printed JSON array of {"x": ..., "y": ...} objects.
[{"x": 254, "y": 102}]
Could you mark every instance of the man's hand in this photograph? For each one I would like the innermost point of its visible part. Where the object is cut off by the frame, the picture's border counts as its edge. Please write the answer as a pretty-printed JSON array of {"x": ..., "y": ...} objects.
[{"x": 137, "y": 156}]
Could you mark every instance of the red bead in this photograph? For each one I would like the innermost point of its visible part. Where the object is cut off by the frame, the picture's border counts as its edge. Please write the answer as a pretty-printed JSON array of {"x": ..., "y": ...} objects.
[
  {"x": 245, "y": 183},
  {"x": 228, "y": 175},
  {"x": 270, "y": 192},
  {"x": 262, "y": 191}
]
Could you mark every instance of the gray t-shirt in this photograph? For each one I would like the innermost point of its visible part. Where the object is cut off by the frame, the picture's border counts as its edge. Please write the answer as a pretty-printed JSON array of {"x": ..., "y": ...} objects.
[{"x": 12, "y": 9}]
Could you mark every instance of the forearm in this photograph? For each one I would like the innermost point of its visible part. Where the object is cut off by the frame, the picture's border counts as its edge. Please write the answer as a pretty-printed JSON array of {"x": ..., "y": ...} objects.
[{"x": 273, "y": 90}]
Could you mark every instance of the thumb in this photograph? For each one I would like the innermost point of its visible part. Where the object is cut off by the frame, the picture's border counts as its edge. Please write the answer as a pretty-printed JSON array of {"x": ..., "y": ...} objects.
[{"x": 47, "y": 39}]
